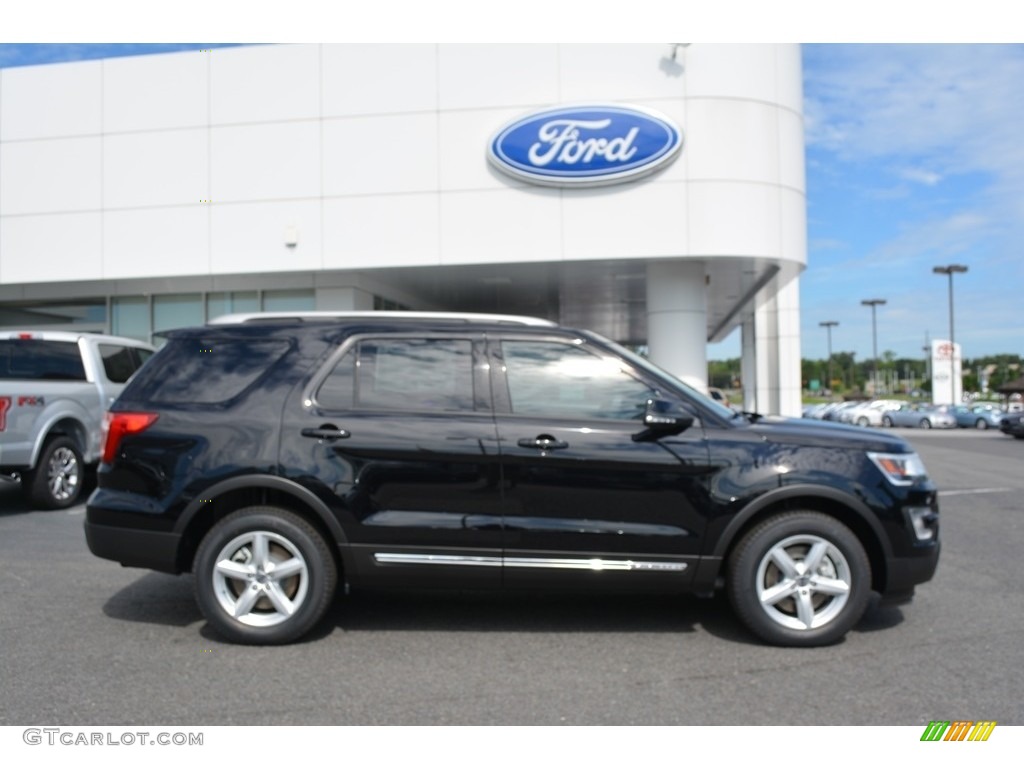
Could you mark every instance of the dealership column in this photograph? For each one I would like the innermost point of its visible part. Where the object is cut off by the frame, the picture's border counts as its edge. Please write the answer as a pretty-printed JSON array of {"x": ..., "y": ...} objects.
[
  {"x": 677, "y": 326},
  {"x": 777, "y": 348}
]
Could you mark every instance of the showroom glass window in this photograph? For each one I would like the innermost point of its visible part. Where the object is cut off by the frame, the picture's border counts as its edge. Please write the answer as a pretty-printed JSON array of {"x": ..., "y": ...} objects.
[
  {"x": 567, "y": 381},
  {"x": 402, "y": 374}
]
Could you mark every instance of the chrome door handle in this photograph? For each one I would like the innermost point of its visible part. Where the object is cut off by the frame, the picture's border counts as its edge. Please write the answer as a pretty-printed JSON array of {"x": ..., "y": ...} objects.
[
  {"x": 326, "y": 432},
  {"x": 543, "y": 442}
]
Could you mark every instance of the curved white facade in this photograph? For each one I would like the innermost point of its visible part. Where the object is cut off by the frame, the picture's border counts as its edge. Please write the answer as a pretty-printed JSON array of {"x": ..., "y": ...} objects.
[{"x": 351, "y": 172}]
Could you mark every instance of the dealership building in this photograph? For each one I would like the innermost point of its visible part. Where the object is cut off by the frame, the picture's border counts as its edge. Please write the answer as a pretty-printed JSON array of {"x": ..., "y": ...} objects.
[{"x": 654, "y": 193}]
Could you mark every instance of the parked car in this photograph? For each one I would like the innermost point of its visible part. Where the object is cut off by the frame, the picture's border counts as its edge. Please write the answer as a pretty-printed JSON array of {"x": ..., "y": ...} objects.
[
  {"x": 55, "y": 387},
  {"x": 1013, "y": 424},
  {"x": 978, "y": 416},
  {"x": 840, "y": 411},
  {"x": 918, "y": 415},
  {"x": 278, "y": 457},
  {"x": 869, "y": 414}
]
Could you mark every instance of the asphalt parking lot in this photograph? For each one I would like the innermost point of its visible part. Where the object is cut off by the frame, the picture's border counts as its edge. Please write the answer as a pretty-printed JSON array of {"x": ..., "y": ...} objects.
[{"x": 86, "y": 642}]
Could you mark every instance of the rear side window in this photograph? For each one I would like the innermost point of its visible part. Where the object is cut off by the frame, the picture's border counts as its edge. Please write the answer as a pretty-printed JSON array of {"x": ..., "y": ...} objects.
[
  {"x": 39, "y": 359},
  {"x": 206, "y": 372},
  {"x": 402, "y": 374}
]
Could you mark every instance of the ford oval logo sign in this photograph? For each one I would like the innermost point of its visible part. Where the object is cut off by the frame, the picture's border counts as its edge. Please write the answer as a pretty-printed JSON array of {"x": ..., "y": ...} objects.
[{"x": 585, "y": 146}]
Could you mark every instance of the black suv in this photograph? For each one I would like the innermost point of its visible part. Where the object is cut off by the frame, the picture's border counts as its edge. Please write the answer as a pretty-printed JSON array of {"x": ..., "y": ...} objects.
[{"x": 276, "y": 456}]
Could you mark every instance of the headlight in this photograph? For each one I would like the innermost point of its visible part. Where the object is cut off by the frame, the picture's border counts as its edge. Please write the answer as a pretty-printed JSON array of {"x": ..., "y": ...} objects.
[{"x": 900, "y": 468}]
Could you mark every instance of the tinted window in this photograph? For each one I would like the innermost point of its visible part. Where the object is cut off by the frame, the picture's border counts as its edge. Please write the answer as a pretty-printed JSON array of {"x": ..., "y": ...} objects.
[
  {"x": 552, "y": 379},
  {"x": 403, "y": 374},
  {"x": 206, "y": 372},
  {"x": 118, "y": 363},
  {"x": 38, "y": 359}
]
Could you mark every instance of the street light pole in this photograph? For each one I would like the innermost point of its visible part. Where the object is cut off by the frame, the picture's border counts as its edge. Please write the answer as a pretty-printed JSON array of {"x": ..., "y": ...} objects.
[
  {"x": 828, "y": 325},
  {"x": 873, "y": 303},
  {"x": 951, "y": 270}
]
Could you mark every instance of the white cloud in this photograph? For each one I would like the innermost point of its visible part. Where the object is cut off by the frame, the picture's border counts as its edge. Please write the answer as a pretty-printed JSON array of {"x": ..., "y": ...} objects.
[{"x": 920, "y": 176}]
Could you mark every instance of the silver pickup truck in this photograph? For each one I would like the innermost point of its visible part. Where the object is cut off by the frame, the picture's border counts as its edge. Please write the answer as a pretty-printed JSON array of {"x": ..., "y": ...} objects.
[{"x": 55, "y": 388}]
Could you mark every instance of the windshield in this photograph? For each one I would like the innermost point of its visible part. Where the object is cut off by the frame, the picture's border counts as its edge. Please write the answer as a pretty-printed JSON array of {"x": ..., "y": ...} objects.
[{"x": 645, "y": 364}]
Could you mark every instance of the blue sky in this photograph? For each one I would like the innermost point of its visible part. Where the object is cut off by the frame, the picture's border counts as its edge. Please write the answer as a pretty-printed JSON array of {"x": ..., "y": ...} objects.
[{"x": 914, "y": 159}]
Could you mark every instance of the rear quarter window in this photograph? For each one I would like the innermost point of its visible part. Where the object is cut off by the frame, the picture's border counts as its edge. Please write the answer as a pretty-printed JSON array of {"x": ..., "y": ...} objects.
[
  {"x": 40, "y": 359},
  {"x": 205, "y": 371}
]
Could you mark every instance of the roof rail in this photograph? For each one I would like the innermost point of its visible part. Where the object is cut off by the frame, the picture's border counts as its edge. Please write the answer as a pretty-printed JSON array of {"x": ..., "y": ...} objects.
[{"x": 467, "y": 317}]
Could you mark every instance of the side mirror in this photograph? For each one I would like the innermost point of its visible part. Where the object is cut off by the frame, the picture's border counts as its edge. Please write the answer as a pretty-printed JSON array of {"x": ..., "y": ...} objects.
[{"x": 662, "y": 418}]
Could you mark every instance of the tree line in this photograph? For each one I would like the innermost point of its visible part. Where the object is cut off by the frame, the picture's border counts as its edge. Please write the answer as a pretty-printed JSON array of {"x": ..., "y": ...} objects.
[{"x": 895, "y": 374}]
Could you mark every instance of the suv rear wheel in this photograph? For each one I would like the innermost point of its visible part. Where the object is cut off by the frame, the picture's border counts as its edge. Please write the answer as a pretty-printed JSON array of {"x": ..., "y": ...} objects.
[
  {"x": 799, "y": 579},
  {"x": 56, "y": 481},
  {"x": 264, "y": 576}
]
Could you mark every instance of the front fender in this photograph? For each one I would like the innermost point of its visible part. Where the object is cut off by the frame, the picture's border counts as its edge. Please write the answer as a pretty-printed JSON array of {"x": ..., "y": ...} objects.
[{"x": 801, "y": 491}]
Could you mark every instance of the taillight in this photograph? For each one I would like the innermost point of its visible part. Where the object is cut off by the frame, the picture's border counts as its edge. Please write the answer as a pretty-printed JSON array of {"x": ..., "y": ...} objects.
[{"x": 117, "y": 425}]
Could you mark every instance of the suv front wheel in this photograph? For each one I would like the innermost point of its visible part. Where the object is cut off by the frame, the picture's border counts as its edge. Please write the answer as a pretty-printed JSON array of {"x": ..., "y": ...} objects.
[
  {"x": 264, "y": 575},
  {"x": 799, "y": 579}
]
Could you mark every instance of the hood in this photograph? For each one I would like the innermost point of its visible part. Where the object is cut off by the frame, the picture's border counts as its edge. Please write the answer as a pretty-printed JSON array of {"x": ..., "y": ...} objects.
[{"x": 781, "y": 429}]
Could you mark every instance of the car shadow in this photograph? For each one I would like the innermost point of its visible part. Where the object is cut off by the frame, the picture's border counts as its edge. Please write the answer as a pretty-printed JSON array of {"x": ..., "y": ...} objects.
[
  {"x": 156, "y": 598},
  {"x": 512, "y": 612},
  {"x": 163, "y": 599}
]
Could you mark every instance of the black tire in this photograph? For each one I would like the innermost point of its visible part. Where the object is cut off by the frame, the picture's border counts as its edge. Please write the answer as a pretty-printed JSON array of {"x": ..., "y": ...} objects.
[
  {"x": 886, "y": 421},
  {"x": 863, "y": 421},
  {"x": 981, "y": 424},
  {"x": 924, "y": 424},
  {"x": 58, "y": 477},
  {"x": 823, "y": 606},
  {"x": 248, "y": 605}
]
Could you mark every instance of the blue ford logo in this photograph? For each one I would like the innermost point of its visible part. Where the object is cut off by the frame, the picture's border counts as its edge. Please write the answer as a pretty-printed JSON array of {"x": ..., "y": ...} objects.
[{"x": 585, "y": 146}]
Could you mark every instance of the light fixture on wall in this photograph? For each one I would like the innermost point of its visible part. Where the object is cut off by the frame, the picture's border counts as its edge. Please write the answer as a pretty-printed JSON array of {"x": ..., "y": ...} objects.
[
  {"x": 291, "y": 236},
  {"x": 669, "y": 64},
  {"x": 676, "y": 47}
]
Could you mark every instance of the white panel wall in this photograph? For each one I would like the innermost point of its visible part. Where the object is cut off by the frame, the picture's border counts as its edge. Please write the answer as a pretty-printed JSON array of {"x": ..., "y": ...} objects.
[
  {"x": 44, "y": 102},
  {"x": 383, "y": 231},
  {"x": 379, "y": 79},
  {"x": 264, "y": 83},
  {"x": 350, "y": 140},
  {"x": 734, "y": 218},
  {"x": 501, "y": 226},
  {"x": 604, "y": 224},
  {"x": 250, "y": 238},
  {"x": 145, "y": 93},
  {"x": 386, "y": 154},
  {"x": 733, "y": 72},
  {"x": 268, "y": 161},
  {"x": 732, "y": 140},
  {"x": 55, "y": 247},
  {"x": 164, "y": 168},
  {"x": 156, "y": 241},
  {"x": 51, "y": 176},
  {"x": 602, "y": 73},
  {"x": 501, "y": 75}
]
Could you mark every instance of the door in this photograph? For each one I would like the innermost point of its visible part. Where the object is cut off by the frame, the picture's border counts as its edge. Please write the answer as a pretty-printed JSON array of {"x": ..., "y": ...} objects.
[
  {"x": 591, "y": 499},
  {"x": 398, "y": 431}
]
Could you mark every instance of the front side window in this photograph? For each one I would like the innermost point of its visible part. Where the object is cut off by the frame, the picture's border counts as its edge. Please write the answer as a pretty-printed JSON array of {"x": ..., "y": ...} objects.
[
  {"x": 564, "y": 381},
  {"x": 402, "y": 374}
]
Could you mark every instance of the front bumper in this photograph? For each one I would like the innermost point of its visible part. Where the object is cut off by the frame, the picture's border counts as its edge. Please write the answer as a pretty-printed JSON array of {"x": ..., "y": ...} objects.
[{"x": 904, "y": 573}]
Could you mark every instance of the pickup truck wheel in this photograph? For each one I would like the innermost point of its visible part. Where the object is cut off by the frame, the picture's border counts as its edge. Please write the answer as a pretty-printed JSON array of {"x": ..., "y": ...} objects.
[
  {"x": 56, "y": 482},
  {"x": 799, "y": 579},
  {"x": 263, "y": 575}
]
